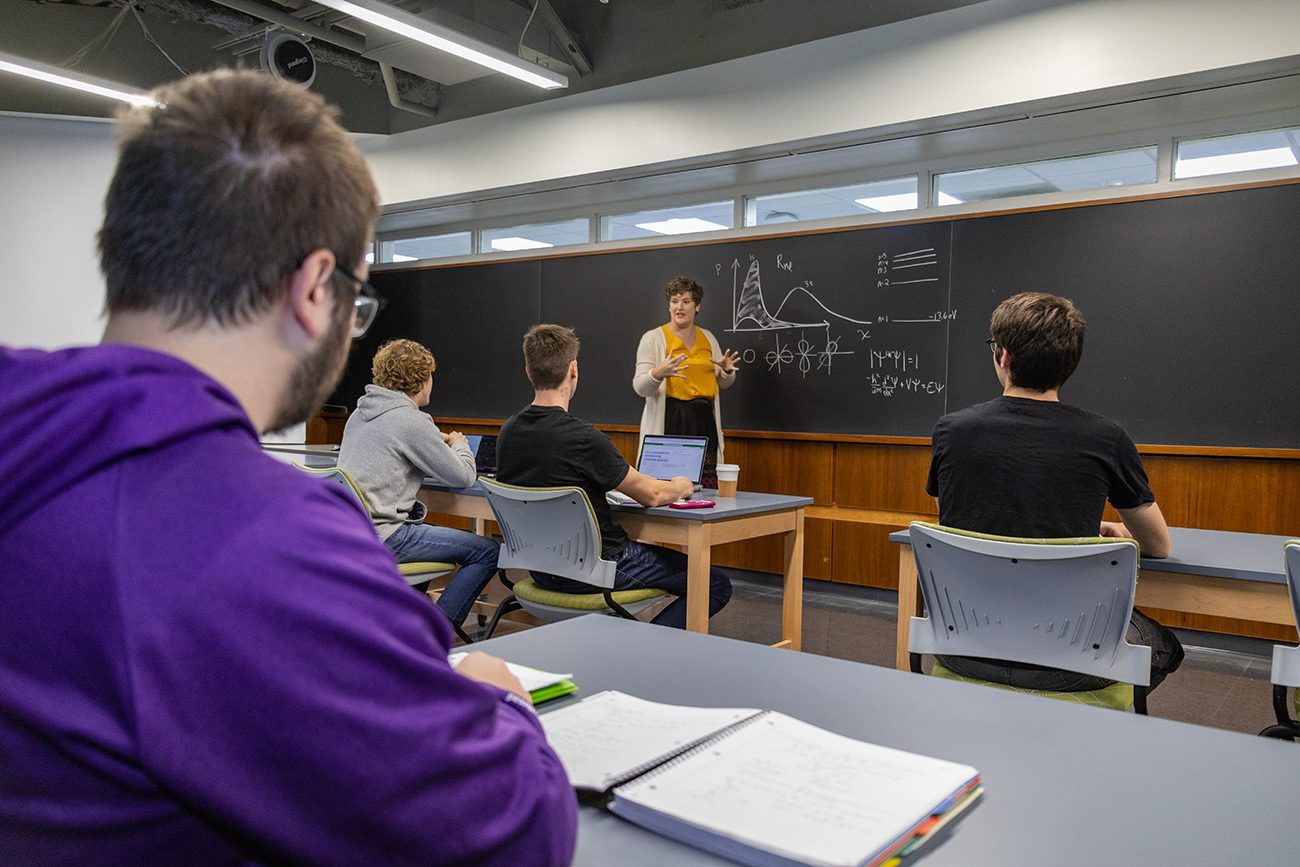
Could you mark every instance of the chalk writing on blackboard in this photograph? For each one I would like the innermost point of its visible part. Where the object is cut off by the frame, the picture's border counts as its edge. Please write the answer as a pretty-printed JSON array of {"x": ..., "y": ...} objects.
[
  {"x": 750, "y": 311},
  {"x": 887, "y": 265},
  {"x": 804, "y": 326}
]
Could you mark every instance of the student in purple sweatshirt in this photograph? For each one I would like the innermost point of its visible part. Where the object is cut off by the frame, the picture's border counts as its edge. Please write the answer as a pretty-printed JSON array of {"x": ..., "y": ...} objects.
[{"x": 207, "y": 657}]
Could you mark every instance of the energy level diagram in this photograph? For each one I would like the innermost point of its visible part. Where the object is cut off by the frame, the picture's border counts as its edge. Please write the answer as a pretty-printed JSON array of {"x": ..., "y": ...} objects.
[{"x": 809, "y": 337}]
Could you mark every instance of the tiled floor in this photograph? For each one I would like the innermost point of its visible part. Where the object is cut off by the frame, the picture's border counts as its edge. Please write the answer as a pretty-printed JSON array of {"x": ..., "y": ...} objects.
[{"x": 1223, "y": 681}]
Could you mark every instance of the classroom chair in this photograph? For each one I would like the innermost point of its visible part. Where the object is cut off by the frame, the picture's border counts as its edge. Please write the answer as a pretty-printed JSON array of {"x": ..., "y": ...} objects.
[
  {"x": 1286, "y": 659},
  {"x": 1061, "y": 603},
  {"x": 418, "y": 574},
  {"x": 554, "y": 530}
]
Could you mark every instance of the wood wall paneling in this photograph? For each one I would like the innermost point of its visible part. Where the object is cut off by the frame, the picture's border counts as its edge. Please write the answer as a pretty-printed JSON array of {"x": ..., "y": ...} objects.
[
  {"x": 865, "y": 556},
  {"x": 887, "y": 477},
  {"x": 1241, "y": 494}
]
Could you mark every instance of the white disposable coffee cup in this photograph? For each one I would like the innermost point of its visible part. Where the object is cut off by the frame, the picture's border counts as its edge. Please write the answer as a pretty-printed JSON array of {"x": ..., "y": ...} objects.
[{"x": 728, "y": 475}]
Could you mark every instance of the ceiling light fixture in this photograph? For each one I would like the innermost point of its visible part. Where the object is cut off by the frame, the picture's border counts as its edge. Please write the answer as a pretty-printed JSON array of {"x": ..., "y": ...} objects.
[
  {"x": 75, "y": 80},
  {"x": 884, "y": 204},
  {"x": 445, "y": 39},
  {"x": 681, "y": 226},
  {"x": 516, "y": 243},
  {"x": 1245, "y": 161}
]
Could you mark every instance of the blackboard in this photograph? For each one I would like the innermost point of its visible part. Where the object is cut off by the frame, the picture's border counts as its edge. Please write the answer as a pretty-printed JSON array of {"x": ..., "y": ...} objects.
[
  {"x": 472, "y": 319},
  {"x": 1191, "y": 303}
]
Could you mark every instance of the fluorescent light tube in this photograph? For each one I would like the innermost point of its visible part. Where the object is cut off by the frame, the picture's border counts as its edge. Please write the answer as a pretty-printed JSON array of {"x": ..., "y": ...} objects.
[
  {"x": 680, "y": 226},
  {"x": 75, "y": 80},
  {"x": 1246, "y": 161},
  {"x": 519, "y": 244},
  {"x": 445, "y": 39},
  {"x": 899, "y": 202},
  {"x": 947, "y": 199}
]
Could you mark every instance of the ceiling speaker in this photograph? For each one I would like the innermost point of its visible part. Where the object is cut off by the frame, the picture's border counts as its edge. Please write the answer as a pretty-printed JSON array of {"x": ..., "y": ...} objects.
[{"x": 288, "y": 58}]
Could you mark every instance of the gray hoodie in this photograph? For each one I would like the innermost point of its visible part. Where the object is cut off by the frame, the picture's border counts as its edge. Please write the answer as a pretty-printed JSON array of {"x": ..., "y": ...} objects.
[{"x": 389, "y": 446}]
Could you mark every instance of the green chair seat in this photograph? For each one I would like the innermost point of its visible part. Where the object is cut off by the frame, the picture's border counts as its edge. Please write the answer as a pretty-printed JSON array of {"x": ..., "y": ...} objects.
[
  {"x": 421, "y": 572},
  {"x": 1118, "y": 696},
  {"x": 423, "y": 567},
  {"x": 527, "y": 590}
]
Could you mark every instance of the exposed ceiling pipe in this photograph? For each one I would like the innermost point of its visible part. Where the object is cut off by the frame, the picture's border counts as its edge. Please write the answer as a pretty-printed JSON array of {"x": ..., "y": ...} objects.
[
  {"x": 351, "y": 44},
  {"x": 295, "y": 25},
  {"x": 396, "y": 99}
]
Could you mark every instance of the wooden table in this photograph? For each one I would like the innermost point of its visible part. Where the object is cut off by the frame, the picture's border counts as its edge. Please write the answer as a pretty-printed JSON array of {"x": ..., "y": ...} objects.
[
  {"x": 1210, "y": 572},
  {"x": 733, "y": 519}
]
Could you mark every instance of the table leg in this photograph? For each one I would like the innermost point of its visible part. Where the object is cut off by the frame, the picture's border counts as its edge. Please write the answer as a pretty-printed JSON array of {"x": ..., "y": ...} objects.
[
  {"x": 909, "y": 603},
  {"x": 699, "y": 556},
  {"x": 792, "y": 596}
]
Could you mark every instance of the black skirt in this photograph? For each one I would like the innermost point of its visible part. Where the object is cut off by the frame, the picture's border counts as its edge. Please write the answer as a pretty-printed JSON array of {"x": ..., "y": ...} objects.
[{"x": 693, "y": 418}]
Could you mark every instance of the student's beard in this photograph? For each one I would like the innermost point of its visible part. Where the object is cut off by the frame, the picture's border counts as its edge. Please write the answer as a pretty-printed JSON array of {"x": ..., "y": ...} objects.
[{"x": 315, "y": 375}]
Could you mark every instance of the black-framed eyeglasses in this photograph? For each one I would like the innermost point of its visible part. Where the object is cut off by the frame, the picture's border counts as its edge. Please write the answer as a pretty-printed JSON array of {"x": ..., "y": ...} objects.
[
  {"x": 993, "y": 344},
  {"x": 367, "y": 304}
]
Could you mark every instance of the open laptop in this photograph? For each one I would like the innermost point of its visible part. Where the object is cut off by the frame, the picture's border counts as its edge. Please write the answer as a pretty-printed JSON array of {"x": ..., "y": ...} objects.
[
  {"x": 666, "y": 457},
  {"x": 484, "y": 448}
]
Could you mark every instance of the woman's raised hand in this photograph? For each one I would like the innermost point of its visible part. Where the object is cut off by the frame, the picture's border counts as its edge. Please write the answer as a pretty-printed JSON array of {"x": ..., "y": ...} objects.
[
  {"x": 729, "y": 362},
  {"x": 669, "y": 367}
]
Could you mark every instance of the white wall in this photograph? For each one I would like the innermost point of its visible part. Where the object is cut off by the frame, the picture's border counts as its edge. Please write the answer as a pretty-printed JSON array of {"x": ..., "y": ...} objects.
[
  {"x": 53, "y": 176},
  {"x": 969, "y": 60}
]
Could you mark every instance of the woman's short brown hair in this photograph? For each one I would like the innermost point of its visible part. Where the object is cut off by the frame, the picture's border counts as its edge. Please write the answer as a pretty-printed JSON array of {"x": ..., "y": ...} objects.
[
  {"x": 402, "y": 365},
  {"x": 548, "y": 349},
  {"x": 221, "y": 189},
  {"x": 684, "y": 285},
  {"x": 1043, "y": 333}
]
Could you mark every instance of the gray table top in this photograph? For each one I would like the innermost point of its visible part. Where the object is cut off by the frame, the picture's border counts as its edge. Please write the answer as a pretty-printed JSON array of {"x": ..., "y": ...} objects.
[
  {"x": 744, "y": 503},
  {"x": 1249, "y": 556},
  {"x": 1064, "y": 784}
]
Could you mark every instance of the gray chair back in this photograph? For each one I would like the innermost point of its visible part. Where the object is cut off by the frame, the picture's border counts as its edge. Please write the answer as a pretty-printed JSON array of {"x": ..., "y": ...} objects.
[
  {"x": 1064, "y": 604},
  {"x": 340, "y": 478},
  {"x": 551, "y": 530},
  {"x": 1286, "y": 659}
]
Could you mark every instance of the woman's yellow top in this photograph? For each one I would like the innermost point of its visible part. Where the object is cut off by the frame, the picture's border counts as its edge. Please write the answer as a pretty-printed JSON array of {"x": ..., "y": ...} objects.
[{"x": 701, "y": 376}]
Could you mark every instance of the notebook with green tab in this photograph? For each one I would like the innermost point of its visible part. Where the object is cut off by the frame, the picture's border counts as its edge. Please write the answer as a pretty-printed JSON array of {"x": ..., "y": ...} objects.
[
  {"x": 756, "y": 786},
  {"x": 541, "y": 685}
]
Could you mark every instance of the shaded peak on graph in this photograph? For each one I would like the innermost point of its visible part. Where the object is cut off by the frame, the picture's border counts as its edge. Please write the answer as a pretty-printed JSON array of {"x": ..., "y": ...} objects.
[{"x": 752, "y": 314}]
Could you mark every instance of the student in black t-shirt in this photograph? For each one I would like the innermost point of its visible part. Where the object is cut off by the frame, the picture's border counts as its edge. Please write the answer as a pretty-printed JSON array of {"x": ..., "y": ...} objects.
[
  {"x": 1025, "y": 464},
  {"x": 543, "y": 445}
]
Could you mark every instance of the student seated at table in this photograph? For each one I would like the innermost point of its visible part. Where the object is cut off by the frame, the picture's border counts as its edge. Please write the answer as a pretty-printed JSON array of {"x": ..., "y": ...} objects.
[
  {"x": 542, "y": 445},
  {"x": 389, "y": 446},
  {"x": 207, "y": 656},
  {"x": 1025, "y": 464}
]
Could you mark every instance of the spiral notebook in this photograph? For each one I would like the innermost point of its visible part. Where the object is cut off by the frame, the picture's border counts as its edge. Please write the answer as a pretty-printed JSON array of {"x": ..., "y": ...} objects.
[{"x": 755, "y": 786}]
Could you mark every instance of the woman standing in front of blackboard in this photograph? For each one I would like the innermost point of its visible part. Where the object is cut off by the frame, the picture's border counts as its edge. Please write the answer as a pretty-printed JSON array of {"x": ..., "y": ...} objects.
[{"x": 680, "y": 371}]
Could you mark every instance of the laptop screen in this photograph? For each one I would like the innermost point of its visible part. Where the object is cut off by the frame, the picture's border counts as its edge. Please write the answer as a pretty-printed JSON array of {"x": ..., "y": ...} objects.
[
  {"x": 485, "y": 453},
  {"x": 664, "y": 457}
]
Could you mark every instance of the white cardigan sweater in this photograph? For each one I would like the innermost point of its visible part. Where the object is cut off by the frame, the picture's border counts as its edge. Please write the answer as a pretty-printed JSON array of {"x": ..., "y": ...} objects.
[{"x": 654, "y": 349}]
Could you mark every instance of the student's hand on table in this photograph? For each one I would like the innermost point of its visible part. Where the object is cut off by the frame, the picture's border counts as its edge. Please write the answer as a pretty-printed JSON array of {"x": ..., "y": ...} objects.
[
  {"x": 669, "y": 367},
  {"x": 455, "y": 438},
  {"x": 729, "y": 362},
  {"x": 488, "y": 669},
  {"x": 685, "y": 487},
  {"x": 1114, "y": 530}
]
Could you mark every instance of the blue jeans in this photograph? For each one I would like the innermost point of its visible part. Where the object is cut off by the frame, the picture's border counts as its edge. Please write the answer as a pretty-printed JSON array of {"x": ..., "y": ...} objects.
[
  {"x": 649, "y": 566},
  {"x": 477, "y": 556}
]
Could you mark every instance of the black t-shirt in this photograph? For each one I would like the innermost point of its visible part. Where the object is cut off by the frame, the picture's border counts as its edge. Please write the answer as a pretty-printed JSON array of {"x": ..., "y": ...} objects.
[
  {"x": 545, "y": 447},
  {"x": 1031, "y": 468}
]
